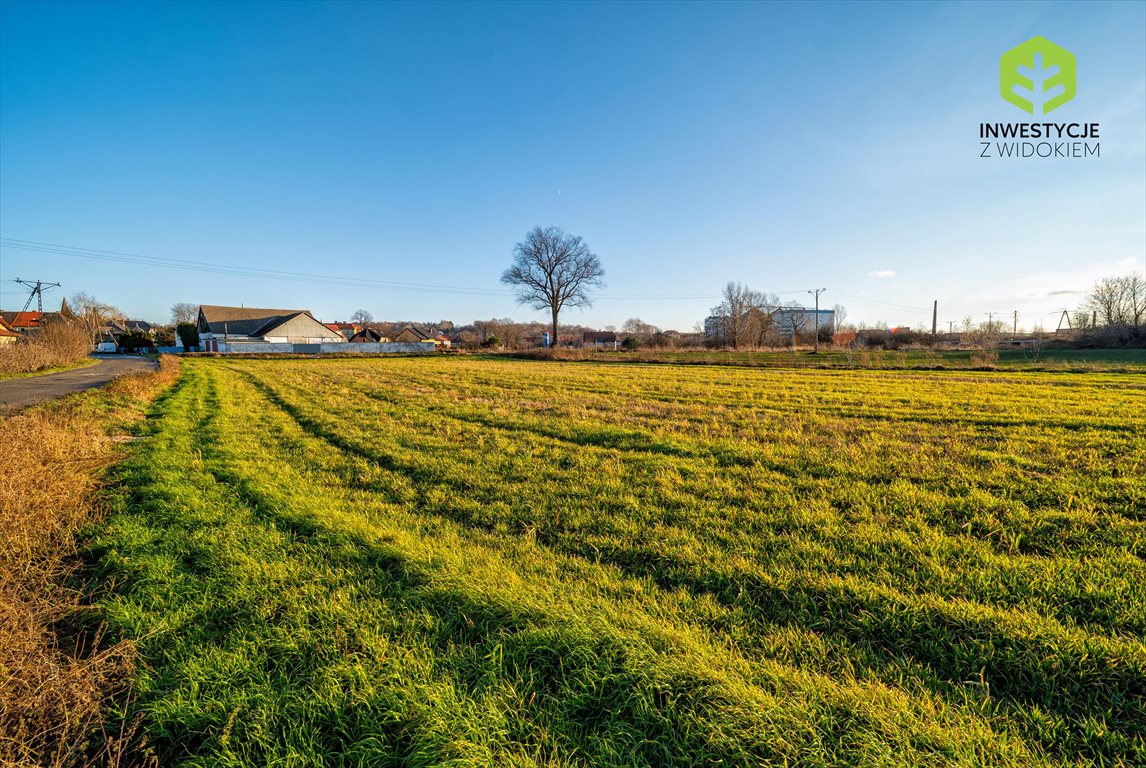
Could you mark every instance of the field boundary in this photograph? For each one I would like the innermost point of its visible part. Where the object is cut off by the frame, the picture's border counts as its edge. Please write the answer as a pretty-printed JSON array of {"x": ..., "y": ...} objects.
[{"x": 59, "y": 674}]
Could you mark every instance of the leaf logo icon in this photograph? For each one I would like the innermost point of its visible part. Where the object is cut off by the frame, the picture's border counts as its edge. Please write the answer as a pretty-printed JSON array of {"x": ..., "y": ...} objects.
[{"x": 1037, "y": 76}]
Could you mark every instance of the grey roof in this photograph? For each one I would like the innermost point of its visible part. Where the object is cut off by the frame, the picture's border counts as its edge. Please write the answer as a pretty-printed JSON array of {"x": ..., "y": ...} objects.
[
  {"x": 243, "y": 321},
  {"x": 417, "y": 330},
  {"x": 599, "y": 336},
  {"x": 367, "y": 335}
]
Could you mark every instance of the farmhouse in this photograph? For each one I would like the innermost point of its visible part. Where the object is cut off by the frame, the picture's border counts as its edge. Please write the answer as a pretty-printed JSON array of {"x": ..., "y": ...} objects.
[
  {"x": 138, "y": 325},
  {"x": 228, "y": 329},
  {"x": 369, "y": 336},
  {"x": 599, "y": 340},
  {"x": 414, "y": 333},
  {"x": 346, "y": 330},
  {"x": 24, "y": 321}
]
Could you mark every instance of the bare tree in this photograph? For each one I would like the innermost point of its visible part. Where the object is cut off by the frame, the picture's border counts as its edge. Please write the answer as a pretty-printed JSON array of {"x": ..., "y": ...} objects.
[
  {"x": 744, "y": 317},
  {"x": 796, "y": 317},
  {"x": 487, "y": 329},
  {"x": 553, "y": 270},
  {"x": 839, "y": 315},
  {"x": 1134, "y": 289},
  {"x": 93, "y": 313},
  {"x": 361, "y": 317},
  {"x": 737, "y": 301},
  {"x": 184, "y": 312},
  {"x": 1108, "y": 298},
  {"x": 761, "y": 320},
  {"x": 637, "y": 327}
]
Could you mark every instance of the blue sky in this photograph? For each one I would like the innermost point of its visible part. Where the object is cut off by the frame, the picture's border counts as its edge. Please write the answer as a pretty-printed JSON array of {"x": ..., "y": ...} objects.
[{"x": 786, "y": 146}]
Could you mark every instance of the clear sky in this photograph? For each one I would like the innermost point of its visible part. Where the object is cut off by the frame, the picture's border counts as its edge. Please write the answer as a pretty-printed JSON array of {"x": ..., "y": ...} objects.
[{"x": 787, "y": 146}]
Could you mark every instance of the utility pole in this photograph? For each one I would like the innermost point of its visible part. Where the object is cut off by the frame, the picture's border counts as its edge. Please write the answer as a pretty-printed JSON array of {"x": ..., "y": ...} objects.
[
  {"x": 991, "y": 321},
  {"x": 1064, "y": 316},
  {"x": 934, "y": 315},
  {"x": 37, "y": 292},
  {"x": 817, "y": 292}
]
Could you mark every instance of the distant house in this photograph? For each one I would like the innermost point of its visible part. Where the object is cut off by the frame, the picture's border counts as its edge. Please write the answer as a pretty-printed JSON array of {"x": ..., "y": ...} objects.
[
  {"x": 138, "y": 325},
  {"x": 111, "y": 327},
  {"x": 414, "y": 333},
  {"x": 346, "y": 330},
  {"x": 236, "y": 326},
  {"x": 369, "y": 336},
  {"x": 7, "y": 335},
  {"x": 22, "y": 322},
  {"x": 600, "y": 340}
]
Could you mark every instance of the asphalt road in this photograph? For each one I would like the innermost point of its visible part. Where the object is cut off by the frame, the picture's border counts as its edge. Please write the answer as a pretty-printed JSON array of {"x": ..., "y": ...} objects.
[{"x": 20, "y": 393}]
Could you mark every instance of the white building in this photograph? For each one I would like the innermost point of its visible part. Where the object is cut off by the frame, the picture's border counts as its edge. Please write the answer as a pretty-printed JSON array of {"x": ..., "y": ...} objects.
[{"x": 228, "y": 329}]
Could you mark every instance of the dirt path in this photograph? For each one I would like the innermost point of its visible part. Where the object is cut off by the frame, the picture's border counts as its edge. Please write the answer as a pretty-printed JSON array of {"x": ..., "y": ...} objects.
[{"x": 20, "y": 393}]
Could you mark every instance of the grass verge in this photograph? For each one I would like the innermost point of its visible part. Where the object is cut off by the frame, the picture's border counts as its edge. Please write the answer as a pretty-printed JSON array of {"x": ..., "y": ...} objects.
[
  {"x": 84, "y": 363},
  {"x": 56, "y": 673}
]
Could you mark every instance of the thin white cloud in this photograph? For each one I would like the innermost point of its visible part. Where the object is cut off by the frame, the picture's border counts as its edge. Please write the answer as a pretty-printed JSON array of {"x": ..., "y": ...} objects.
[
  {"x": 1045, "y": 285},
  {"x": 881, "y": 273}
]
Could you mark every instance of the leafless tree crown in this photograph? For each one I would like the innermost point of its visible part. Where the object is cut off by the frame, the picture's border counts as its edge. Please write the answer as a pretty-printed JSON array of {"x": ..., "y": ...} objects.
[
  {"x": 184, "y": 312},
  {"x": 1118, "y": 300},
  {"x": 553, "y": 270}
]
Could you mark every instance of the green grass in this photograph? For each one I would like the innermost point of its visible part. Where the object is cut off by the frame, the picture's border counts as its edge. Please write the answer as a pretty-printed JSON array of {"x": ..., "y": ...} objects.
[
  {"x": 474, "y": 562},
  {"x": 84, "y": 363},
  {"x": 1050, "y": 359}
]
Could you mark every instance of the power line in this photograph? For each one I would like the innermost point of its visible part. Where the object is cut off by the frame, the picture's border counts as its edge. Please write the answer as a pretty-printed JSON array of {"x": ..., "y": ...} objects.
[
  {"x": 210, "y": 267},
  {"x": 189, "y": 265},
  {"x": 891, "y": 304}
]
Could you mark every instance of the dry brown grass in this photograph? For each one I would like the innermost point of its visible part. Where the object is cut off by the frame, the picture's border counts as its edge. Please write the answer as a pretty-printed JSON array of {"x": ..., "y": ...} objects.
[
  {"x": 54, "y": 344},
  {"x": 56, "y": 674}
]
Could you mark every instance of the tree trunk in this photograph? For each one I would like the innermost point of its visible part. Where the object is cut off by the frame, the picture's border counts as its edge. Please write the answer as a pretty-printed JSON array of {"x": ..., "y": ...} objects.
[{"x": 553, "y": 339}]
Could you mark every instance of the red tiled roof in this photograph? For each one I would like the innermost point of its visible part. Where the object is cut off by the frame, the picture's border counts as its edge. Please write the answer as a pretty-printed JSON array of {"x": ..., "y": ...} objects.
[{"x": 29, "y": 319}]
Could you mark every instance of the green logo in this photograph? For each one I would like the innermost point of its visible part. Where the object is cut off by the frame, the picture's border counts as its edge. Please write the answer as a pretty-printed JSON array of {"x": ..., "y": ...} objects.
[{"x": 1037, "y": 76}]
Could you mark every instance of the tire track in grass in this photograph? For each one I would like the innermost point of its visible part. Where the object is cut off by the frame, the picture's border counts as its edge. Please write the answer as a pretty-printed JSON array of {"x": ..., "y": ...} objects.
[
  {"x": 947, "y": 520},
  {"x": 459, "y": 609},
  {"x": 305, "y": 428},
  {"x": 1125, "y": 500},
  {"x": 387, "y": 576},
  {"x": 1008, "y": 658},
  {"x": 597, "y": 707},
  {"x": 742, "y": 398}
]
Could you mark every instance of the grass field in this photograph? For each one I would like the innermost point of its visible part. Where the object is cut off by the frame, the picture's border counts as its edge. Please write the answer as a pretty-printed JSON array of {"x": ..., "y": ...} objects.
[
  {"x": 1052, "y": 359},
  {"x": 476, "y": 562}
]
